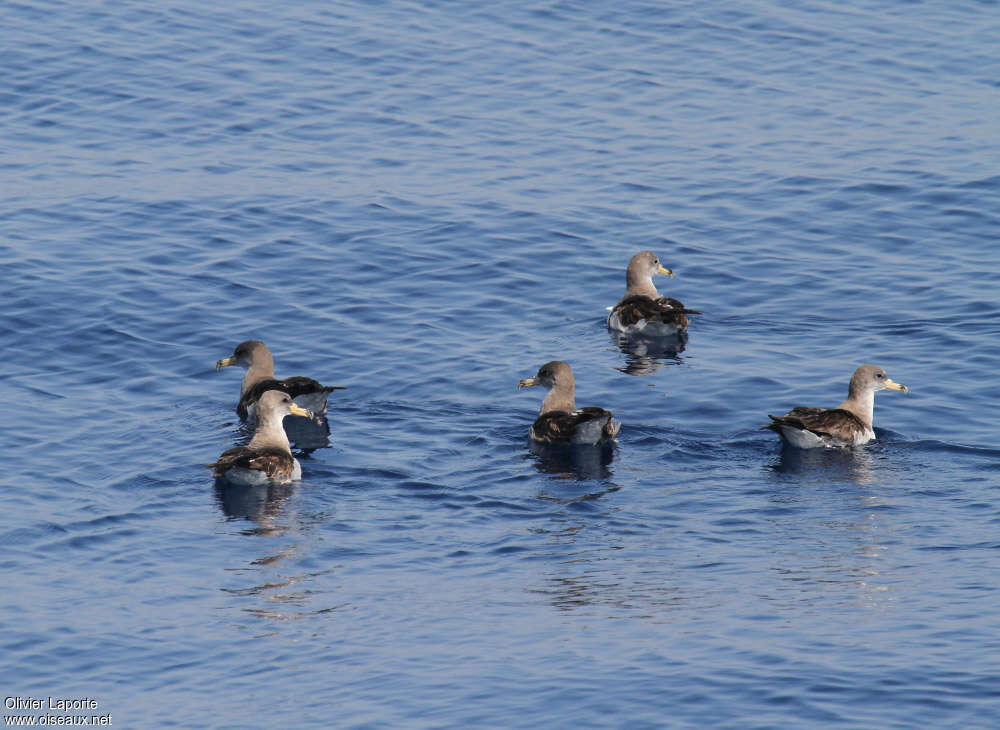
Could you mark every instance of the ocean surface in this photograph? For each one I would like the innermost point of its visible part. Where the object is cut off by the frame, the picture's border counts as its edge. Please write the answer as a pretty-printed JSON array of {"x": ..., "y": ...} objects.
[{"x": 424, "y": 201}]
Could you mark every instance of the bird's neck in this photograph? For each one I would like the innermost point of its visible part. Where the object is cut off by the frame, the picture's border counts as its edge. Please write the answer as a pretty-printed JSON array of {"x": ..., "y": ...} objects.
[
  {"x": 640, "y": 285},
  {"x": 270, "y": 433},
  {"x": 559, "y": 399},
  {"x": 861, "y": 404},
  {"x": 262, "y": 369}
]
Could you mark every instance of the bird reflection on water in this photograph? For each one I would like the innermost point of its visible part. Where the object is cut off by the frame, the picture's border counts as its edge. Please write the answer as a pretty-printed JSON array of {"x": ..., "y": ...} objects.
[
  {"x": 645, "y": 355},
  {"x": 574, "y": 461},
  {"x": 859, "y": 565},
  {"x": 830, "y": 464},
  {"x": 651, "y": 598},
  {"x": 260, "y": 503}
]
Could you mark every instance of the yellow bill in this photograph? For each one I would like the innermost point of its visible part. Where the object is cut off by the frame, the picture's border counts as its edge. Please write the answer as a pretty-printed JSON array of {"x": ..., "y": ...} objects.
[
  {"x": 297, "y": 410},
  {"x": 890, "y": 383}
]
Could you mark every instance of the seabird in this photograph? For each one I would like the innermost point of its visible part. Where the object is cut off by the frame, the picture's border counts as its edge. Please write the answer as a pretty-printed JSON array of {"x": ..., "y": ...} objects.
[
  {"x": 559, "y": 420},
  {"x": 849, "y": 424},
  {"x": 642, "y": 310},
  {"x": 254, "y": 356},
  {"x": 268, "y": 458}
]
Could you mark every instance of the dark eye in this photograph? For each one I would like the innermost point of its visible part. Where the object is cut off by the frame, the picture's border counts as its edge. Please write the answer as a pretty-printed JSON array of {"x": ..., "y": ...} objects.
[{"x": 879, "y": 375}]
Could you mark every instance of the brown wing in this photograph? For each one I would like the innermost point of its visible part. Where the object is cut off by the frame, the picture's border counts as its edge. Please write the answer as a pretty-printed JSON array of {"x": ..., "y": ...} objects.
[
  {"x": 271, "y": 461},
  {"x": 834, "y": 422},
  {"x": 675, "y": 304},
  {"x": 295, "y": 386},
  {"x": 632, "y": 309},
  {"x": 560, "y": 427}
]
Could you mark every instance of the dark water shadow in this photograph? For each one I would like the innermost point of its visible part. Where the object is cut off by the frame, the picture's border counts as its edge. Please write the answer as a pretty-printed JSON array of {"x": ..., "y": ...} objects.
[
  {"x": 576, "y": 462},
  {"x": 645, "y": 355}
]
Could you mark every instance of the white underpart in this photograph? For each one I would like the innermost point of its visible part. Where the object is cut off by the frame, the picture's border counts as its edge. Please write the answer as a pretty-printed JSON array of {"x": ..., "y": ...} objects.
[
  {"x": 808, "y": 440},
  {"x": 864, "y": 437},
  {"x": 802, "y": 439},
  {"x": 243, "y": 477}
]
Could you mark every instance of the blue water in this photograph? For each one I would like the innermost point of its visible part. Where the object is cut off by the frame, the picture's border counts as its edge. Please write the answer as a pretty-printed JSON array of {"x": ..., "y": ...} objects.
[{"x": 425, "y": 201}]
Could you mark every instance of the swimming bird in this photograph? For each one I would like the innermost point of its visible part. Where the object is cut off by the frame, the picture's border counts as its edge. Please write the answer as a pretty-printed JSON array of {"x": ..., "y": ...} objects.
[
  {"x": 254, "y": 356},
  {"x": 849, "y": 424},
  {"x": 268, "y": 457},
  {"x": 559, "y": 420},
  {"x": 642, "y": 310}
]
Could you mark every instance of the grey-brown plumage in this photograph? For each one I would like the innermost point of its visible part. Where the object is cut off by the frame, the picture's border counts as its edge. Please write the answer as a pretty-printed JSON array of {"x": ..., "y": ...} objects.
[
  {"x": 849, "y": 424},
  {"x": 270, "y": 463},
  {"x": 559, "y": 420},
  {"x": 642, "y": 310},
  {"x": 268, "y": 456},
  {"x": 254, "y": 356}
]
